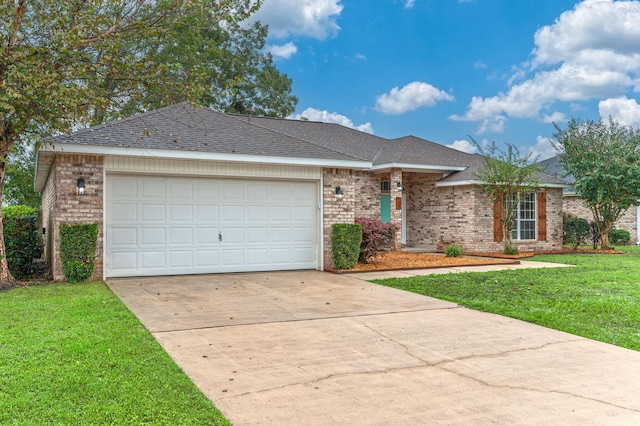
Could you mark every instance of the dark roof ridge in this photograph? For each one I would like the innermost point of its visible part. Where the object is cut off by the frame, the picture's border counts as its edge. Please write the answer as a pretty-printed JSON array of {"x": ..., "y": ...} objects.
[{"x": 240, "y": 116}]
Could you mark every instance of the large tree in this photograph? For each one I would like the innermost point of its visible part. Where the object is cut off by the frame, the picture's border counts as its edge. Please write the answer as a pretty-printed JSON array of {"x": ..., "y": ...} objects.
[
  {"x": 507, "y": 177},
  {"x": 604, "y": 159},
  {"x": 59, "y": 61},
  {"x": 18, "y": 187}
]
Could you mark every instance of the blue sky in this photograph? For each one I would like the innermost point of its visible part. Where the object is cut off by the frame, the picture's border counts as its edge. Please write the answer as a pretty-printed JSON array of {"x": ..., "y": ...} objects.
[{"x": 498, "y": 70}]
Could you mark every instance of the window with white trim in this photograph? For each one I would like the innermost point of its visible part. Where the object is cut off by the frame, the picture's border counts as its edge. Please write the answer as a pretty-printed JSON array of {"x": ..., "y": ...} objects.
[{"x": 525, "y": 217}]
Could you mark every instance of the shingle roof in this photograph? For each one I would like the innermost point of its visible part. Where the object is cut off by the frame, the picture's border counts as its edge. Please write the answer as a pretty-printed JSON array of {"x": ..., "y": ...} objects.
[
  {"x": 182, "y": 127},
  {"x": 413, "y": 150},
  {"x": 329, "y": 135},
  {"x": 553, "y": 166}
]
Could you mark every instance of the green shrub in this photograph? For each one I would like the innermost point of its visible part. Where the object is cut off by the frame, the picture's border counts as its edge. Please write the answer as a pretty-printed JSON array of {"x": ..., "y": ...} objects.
[
  {"x": 21, "y": 239},
  {"x": 78, "y": 250},
  {"x": 575, "y": 231},
  {"x": 511, "y": 249},
  {"x": 619, "y": 237},
  {"x": 376, "y": 236},
  {"x": 345, "y": 243},
  {"x": 453, "y": 250}
]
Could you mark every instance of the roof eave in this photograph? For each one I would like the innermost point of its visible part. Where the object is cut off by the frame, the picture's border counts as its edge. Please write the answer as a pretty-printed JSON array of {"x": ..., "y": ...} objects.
[
  {"x": 425, "y": 168},
  {"x": 46, "y": 153},
  {"x": 477, "y": 182}
]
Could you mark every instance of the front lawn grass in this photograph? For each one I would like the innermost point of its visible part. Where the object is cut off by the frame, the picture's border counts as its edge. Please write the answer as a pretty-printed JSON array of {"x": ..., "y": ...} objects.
[
  {"x": 74, "y": 354},
  {"x": 598, "y": 299}
]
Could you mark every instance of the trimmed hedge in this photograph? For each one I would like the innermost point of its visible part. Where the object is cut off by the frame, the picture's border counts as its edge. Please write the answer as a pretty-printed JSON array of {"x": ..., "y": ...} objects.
[
  {"x": 575, "y": 231},
  {"x": 345, "y": 243},
  {"x": 619, "y": 237},
  {"x": 78, "y": 250},
  {"x": 21, "y": 240}
]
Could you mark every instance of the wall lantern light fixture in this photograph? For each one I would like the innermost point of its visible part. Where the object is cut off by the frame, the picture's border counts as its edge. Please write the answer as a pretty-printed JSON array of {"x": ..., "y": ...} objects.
[
  {"x": 81, "y": 186},
  {"x": 339, "y": 193}
]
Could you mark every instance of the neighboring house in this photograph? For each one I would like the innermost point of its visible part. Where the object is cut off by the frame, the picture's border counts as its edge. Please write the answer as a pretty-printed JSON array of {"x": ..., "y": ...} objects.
[
  {"x": 575, "y": 206},
  {"x": 185, "y": 190}
]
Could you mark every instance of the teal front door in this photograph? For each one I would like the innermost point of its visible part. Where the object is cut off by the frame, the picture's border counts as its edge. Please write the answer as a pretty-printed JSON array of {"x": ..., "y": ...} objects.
[{"x": 385, "y": 208}]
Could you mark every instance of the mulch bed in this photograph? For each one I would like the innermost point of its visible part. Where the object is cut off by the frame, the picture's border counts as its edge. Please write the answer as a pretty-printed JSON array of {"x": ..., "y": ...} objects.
[{"x": 402, "y": 260}]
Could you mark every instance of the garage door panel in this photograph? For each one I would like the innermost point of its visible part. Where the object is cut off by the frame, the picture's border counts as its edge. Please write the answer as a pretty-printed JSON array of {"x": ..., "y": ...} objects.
[
  {"x": 233, "y": 191},
  {"x": 181, "y": 236},
  {"x": 256, "y": 257},
  {"x": 207, "y": 259},
  {"x": 124, "y": 236},
  {"x": 181, "y": 213},
  {"x": 258, "y": 213},
  {"x": 124, "y": 261},
  {"x": 153, "y": 236},
  {"x": 172, "y": 225},
  {"x": 124, "y": 212},
  {"x": 232, "y": 213},
  {"x": 207, "y": 236},
  {"x": 280, "y": 256},
  {"x": 153, "y": 212},
  {"x": 303, "y": 254},
  {"x": 180, "y": 189},
  {"x": 258, "y": 192},
  {"x": 258, "y": 235},
  {"x": 232, "y": 236},
  {"x": 233, "y": 257},
  {"x": 153, "y": 188},
  {"x": 302, "y": 234},
  {"x": 279, "y": 192},
  {"x": 281, "y": 213},
  {"x": 181, "y": 259},
  {"x": 153, "y": 259},
  {"x": 207, "y": 213},
  {"x": 207, "y": 190}
]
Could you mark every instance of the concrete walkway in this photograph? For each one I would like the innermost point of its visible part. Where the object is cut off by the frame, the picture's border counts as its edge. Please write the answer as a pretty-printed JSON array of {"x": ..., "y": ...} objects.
[
  {"x": 313, "y": 348},
  {"x": 524, "y": 264}
]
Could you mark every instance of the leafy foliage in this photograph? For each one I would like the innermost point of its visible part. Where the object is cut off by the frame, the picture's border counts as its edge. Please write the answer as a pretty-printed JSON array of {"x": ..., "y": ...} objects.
[
  {"x": 345, "y": 243},
  {"x": 620, "y": 237},
  {"x": 604, "y": 159},
  {"x": 376, "y": 236},
  {"x": 18, "y": 186},
  {"x": 576, "y": 230},
  {"x": 68, "y": 64},
  {"x": 453, "y": 250},
  {"x": 506, "y": 174},
  {"x": 21, "y": 239},
  {"x": 78, "y": 250}
]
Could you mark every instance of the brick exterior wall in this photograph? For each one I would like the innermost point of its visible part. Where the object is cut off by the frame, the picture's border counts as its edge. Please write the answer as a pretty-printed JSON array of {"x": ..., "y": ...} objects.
[
  {"x": 62, "y": 204},
  {"x": 361, "y": 199},
  {"x": 437, "y": 217},
  {"x": 575, "y": 206}
]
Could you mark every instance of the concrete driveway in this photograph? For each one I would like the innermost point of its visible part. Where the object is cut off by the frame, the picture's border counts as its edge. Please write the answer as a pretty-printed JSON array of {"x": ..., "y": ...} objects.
[{"x": 312, "y": 348}]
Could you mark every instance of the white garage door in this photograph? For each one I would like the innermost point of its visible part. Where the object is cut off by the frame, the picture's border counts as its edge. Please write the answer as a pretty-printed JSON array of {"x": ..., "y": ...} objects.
[{"x": 168, "y": 226}]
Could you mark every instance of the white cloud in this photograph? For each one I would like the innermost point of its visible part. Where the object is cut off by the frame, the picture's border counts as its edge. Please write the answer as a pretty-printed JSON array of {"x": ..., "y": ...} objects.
[
  {"x": 361, "y": 56},
  {"x": 284, "y": 51},
  {"x": 313, "y": 114},
  {"x": 589, "y": 52},
  {"x": 626, "y": 111},
  {"x": 464, "y": 146},
  {"x": 412, "y": 96},
  {"x": 543, "y": 148},
  {"x": 311, "y": 18},
  {"x": 409, "y": 4}
]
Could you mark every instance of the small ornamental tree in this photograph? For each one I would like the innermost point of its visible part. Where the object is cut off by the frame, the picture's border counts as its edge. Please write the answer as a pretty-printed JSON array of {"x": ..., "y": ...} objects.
[
  {"x": 507, "y": 175},
  {"x": 604, "y": 159}
]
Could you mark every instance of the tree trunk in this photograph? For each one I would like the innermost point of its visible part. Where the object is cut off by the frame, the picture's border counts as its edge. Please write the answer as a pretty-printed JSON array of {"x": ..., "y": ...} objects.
[
  {"x": 6, "y": 279},
  {"x": 604, "y": 235}
]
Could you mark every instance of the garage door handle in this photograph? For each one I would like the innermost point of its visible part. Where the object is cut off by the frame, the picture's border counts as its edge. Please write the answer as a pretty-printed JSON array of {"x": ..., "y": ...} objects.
[{"x": 220, "y": 236}]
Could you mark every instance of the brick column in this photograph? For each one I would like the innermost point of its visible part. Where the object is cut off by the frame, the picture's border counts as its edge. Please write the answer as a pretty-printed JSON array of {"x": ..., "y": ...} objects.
[
  {"x": 336, "y": 210},
  {"x": 396, "y": 214}
]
